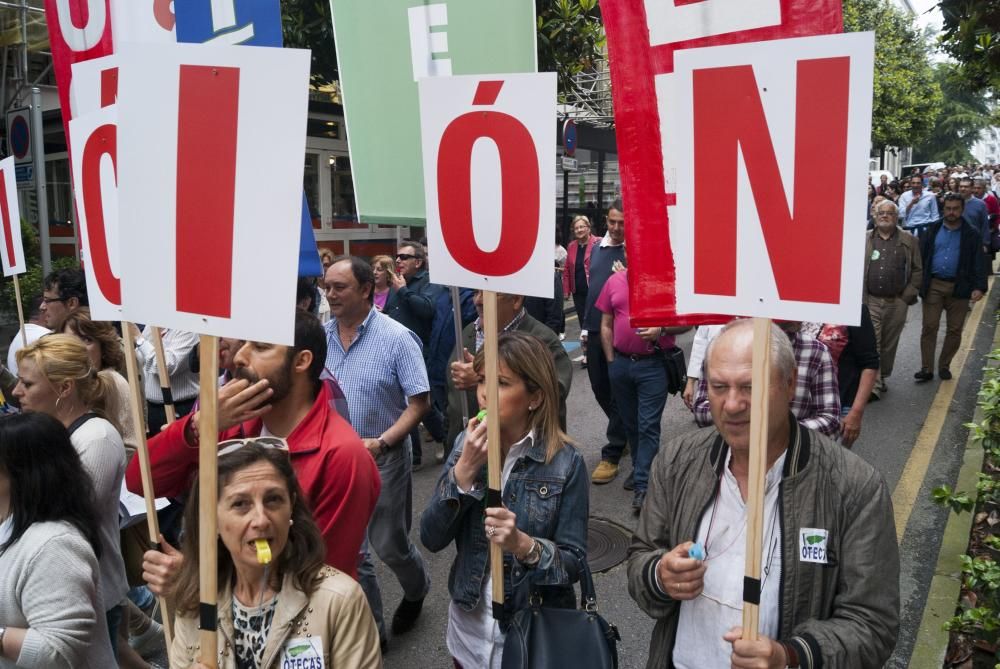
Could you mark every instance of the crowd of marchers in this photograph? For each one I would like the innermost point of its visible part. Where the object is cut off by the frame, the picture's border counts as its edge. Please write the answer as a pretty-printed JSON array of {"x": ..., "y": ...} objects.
[{"x": 318, "y": 441}]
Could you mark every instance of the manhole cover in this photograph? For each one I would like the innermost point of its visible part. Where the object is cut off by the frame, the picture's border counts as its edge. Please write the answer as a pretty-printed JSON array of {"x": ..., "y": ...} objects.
[{"x": 607, "y": 544}]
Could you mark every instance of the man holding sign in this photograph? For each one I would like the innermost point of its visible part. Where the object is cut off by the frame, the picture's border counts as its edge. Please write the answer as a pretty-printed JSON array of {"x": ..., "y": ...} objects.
[{"x": 829, "y": 591}]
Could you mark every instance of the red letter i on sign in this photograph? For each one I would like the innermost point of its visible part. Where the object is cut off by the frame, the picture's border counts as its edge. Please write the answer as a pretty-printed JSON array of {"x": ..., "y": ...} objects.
[
  {"x": 206, "y": 188},
  {"x": 8, "y": 234}
]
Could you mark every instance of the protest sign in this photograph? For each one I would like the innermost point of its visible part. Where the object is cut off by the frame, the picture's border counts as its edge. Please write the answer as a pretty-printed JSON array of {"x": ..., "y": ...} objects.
[
  {"x": 12, "y": 249},
  {"x": 489, "y": 180},
  {"x": 219, "y": 242},
  {"x": 643, "y": 39},
  {"x": 769, "y": 120},
  {"x": 383, "y": 49},
  {"x": 249, "y": 23},
  {"x": 143, "y": 21}
]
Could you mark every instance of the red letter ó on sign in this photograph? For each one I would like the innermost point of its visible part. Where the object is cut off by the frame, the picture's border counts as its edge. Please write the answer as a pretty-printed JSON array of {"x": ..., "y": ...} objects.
[
  {"x": 207, "y": 120},
  {"x": 519, "y": 188}
]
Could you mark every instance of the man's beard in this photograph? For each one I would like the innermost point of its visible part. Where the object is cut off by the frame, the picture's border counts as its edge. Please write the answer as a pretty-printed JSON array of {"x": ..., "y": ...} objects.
[{"x": 280, "y": 383}]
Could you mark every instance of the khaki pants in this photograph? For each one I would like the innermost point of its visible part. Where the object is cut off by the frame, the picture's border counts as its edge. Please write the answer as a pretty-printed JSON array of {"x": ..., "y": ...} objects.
[
  {"x": 939, "y": 299},
  {"x": 888, "y": 316}
]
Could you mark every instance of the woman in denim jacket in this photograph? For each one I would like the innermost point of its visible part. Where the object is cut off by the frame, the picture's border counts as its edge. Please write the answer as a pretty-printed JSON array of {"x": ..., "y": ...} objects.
[{"x": 542, "y": 525}]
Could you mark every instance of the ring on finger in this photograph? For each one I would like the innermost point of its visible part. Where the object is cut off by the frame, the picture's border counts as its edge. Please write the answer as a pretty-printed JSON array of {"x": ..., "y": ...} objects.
[{"x": 490, "y": 530}]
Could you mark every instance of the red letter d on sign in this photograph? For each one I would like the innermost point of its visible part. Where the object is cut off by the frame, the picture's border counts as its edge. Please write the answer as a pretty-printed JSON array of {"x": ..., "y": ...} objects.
[
  {"x": 804, "y": 248},
  {"x": 519, "y": 184},
  {"x": 206, "y": 188}
]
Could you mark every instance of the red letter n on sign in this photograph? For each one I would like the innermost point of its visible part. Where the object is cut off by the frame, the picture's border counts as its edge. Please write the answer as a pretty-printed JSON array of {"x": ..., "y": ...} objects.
[
  {"x": 206, "y": 188},
  {"x": 804, "y": 245}
]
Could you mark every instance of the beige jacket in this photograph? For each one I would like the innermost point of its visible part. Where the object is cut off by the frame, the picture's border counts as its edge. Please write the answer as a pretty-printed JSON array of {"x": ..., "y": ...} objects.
[
  {"x": 914, "y": 265},
  {"x": 336, "y": 621}
]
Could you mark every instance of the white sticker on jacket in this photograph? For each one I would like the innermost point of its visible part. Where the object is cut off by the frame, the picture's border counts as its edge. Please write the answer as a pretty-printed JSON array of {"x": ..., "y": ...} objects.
[
  {"x": 303, "y": 653},
  {"x": 812, "y": 545}
]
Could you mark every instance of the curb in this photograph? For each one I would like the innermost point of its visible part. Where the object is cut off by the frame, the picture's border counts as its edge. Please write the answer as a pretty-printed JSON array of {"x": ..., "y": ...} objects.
[{"x": 931, "y": 644}]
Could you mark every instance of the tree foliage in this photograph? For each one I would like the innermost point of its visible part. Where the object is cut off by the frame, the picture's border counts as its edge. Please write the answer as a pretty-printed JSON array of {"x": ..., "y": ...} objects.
[
  {"x": 965, "y": 113},
  {"x": 571, "y": 38},
  {"x": 308, "y": 24},
  {"x": 971, "y": 35},
  {"x": 907, "y": 99}
]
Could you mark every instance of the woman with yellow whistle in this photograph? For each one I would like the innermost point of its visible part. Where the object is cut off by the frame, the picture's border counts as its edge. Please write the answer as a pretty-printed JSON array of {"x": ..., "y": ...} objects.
[{"x": 279, "y": 605}]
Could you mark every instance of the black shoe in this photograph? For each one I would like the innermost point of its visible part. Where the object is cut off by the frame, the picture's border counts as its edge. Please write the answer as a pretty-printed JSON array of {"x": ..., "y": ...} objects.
[
  {"x": 637, "y": 501},
  {"x": 924, "y": 375},
  {"x": 406, "y": 616},
  {"x": 945, "y": 374},
  {"x": 629, "y": 483}
]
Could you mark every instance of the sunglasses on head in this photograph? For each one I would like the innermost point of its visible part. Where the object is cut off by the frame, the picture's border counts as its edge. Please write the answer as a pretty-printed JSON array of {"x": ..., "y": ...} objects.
[{"x": 233, "y": 445}]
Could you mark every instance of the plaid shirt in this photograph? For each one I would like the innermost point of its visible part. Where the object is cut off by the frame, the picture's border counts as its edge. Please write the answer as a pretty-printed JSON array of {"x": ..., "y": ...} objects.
[
  {"x": 381, "y": 368},
  {"x": 816, "y": 404}
]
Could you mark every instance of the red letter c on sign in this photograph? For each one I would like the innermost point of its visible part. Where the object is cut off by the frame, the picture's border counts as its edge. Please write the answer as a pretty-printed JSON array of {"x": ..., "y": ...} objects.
[
  {"x": 103, "y": 141},
  {"x": 519, "y": 180}
]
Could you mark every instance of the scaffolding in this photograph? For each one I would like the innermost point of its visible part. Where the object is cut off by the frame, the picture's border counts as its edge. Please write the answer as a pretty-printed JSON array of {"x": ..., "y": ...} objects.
[
  {"x": 589, "y": 99},
  {"x": 26, "y": 59}
]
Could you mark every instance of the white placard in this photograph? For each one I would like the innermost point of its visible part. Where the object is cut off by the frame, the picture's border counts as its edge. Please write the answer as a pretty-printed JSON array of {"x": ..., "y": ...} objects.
[
  {"x": 94, "y": 138},
  {"x": 143, "y": 21},
  {"x": 244, "y": 260},
  {"x": 94, "y": 85},
  {"x": 11, "y": 247},
  {"x": 775, "y": 65},
  {"x": 489, "y": 180}
]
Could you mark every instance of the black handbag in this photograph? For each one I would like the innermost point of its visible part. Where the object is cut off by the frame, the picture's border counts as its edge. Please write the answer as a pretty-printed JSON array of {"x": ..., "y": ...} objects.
[
  {"x": 541, "y": 637},
  {"x": 676, "y": 368}
]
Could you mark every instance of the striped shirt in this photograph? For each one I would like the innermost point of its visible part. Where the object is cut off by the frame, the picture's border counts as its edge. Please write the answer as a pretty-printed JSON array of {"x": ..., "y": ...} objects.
[
  {"x": 816, "y": 404},
  {"x": 177, "y": 345},
  {"x": 380, "y": 369}
]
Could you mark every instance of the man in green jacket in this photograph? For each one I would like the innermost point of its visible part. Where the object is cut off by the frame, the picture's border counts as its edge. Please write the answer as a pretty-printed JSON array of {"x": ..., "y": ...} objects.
[
  {"x": 829, "y": 584},
  {"x": 462, "y": 380}
]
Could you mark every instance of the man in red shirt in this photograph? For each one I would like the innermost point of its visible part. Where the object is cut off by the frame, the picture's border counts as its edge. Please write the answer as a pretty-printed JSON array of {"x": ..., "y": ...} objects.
[{"x": 278, "y": 392}]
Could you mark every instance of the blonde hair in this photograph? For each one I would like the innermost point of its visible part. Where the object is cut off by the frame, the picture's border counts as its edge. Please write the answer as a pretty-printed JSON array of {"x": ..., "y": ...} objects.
[
  {"x": 61, "y": 358},
  {"x": 386, "y": 264},
  {"x": 581, "y": 217},
  {"x": 528, "y": 358}
]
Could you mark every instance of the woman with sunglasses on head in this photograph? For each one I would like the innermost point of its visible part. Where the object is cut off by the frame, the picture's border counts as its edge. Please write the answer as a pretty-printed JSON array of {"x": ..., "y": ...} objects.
[
  {"x": 385, "y": 272},
  {"x": 542, "y": 524},
  {"x": 56, "y": 377},
  {"x": 51, "y": 614},
  {"x": 278, "y": 604}
]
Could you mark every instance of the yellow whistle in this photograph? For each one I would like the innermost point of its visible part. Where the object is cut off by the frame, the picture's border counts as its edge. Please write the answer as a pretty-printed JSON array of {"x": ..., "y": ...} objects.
[{"x": 263, "y": 551}]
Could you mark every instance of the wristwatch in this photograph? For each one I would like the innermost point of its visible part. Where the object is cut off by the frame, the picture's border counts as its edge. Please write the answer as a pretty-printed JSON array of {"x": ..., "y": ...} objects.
[{"x": 383, "y": 446}]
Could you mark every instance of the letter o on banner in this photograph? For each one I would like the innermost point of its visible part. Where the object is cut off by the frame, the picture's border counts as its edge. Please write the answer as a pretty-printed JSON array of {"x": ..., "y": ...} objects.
[
  {"x": 519, "y": 192},
  {"x": 103, "y": 142}
]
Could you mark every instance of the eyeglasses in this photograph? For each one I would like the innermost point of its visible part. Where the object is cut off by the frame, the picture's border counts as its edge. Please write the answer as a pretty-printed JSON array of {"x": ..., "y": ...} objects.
[
  {"x": 49, "y": 300},
  {"x": 406, "y": 256},
  {"x": 232, "y": 445}
]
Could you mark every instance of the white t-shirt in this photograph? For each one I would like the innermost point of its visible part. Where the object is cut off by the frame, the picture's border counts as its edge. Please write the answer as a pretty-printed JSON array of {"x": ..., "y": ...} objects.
[{"x": 33, "y": 333}]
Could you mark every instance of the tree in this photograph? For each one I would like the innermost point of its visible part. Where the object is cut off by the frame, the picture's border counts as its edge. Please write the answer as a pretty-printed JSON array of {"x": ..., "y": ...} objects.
[
  {"x": 307, "y": 24},
  {"x": 971, "y": 35},
  {"x": 571, "y": 38},
  {"x": 907, "y": 99},
  {"x": 965, "y": 113}
]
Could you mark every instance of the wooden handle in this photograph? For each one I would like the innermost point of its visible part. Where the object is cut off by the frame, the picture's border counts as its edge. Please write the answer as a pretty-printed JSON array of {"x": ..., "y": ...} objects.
[
  {"x": 456, "y": 307},
  {"x": 20, "y": 309},
  {"x": 164, "y": 376},
  {"x": 137, "y": 402},
  {"x": 208, "y": 491},
  {"x": 759, "y": 396},
  {"x": 493, "y": 433}
]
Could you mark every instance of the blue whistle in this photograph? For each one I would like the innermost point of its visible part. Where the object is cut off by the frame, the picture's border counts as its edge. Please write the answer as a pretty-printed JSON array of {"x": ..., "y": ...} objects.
[{"x": 697, "y": 552}]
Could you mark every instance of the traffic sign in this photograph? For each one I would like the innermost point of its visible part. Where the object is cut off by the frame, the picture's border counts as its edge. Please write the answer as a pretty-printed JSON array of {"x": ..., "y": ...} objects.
[
  {"x": 569, "y": 138},
  {"x": 19, "y": 135}
]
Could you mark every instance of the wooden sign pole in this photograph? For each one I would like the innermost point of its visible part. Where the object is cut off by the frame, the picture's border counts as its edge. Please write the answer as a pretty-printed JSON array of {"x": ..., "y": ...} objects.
[
  {"x": 494, "y": 465},
  {"x": 20, "y": 309},
  {"x": 456, "y": 308},
  {"x": 208, "y": 492},
  {"x": 164, "y": 376},
  {"x": 760, "y": 393},
  {"x": 137, "y": 402}
]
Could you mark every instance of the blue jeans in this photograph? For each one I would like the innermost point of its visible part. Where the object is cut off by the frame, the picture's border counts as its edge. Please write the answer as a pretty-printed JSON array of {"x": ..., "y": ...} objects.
[{"x": 640, "y": 390}]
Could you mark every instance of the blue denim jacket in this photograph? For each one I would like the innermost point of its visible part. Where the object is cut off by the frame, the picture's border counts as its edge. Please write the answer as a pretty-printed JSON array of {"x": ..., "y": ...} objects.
[{"x": 552, "y": 504}]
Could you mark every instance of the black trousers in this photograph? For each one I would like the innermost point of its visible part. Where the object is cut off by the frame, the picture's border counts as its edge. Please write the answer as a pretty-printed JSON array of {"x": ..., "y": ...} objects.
[{"x": 600, "y": 383}]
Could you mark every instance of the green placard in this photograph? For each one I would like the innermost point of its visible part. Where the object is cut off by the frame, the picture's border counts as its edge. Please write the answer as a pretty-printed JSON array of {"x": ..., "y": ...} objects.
[{"x": 377, "y": 44}]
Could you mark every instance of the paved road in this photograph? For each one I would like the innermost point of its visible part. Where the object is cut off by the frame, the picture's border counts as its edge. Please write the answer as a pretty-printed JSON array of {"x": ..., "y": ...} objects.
[
  {"x": 914, "y": 436},
  {"x": 890, "y": 430}
]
